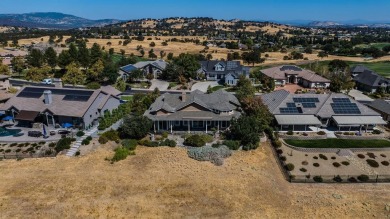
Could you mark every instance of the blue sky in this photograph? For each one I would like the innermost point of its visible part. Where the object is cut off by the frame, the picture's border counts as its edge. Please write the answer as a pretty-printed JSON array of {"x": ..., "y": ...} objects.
[{"x": 335, "y": 10}]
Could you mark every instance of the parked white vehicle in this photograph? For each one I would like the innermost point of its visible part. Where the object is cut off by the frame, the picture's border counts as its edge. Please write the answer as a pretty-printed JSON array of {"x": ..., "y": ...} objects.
[{"x": 47, "y": 81}]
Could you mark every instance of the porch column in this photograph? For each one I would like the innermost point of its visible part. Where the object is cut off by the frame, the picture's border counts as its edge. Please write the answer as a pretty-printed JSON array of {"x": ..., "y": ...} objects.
[
  {"x": 52, "y": 119},
  {"x": 293, "y": 127},
  {"x": 366, "y": 128},
  {"x": 218, "y": 126},
  {"x": 47, "y": 119},
  {"x": 171, "y": 127},
  {"x": 206, "y": 127},
  {"x": 158, "y": 125},
  {"x": 189, "y": 130},
  {"x": 305, "y": 128},
  {"x": 154, "y": 126},
  {"x": 281, "y": 128}
]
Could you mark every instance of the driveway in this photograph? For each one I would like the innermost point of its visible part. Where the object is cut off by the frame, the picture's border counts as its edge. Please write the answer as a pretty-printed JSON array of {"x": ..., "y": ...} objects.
[
  {"x": 202, "y": 86},
  {"x": 161, "y": 85}
]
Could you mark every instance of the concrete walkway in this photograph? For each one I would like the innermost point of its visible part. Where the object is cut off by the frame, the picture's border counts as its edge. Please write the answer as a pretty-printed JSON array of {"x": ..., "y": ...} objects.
[{"x": 75, "y": 147}]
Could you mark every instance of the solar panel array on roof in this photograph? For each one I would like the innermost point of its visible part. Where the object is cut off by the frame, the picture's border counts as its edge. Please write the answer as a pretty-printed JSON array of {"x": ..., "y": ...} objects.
[
  {"x": 37, "y": 92},
  {"x": 290, "y": 68},
  {"x": 306, "y": 100},
  {"x": 341, "y": 100},
  {"x": 231, "y": 65},
  {"x": 128, "y": 68},
  {"x": 290, "y": 104},
  {"x": 345, "y": 107},
  {"x": 309, "y": 105},
  {"x": 76, "y": 98},
  {"x": 289, "y": 110}
]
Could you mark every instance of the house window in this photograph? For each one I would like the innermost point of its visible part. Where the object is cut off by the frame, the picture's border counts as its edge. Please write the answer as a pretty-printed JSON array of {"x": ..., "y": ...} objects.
[
  {"x": 209, "y": 122},
  {"x": 177, "y": 123},
  {"x": 223, "y": 124},
  {"x": 185, "y": 123}
]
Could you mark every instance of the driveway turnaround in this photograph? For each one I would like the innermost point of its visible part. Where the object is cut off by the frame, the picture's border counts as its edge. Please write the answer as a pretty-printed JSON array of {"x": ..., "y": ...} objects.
[
  {"x": 202, "y": 86},
  {"x": 161, "y": 85}
]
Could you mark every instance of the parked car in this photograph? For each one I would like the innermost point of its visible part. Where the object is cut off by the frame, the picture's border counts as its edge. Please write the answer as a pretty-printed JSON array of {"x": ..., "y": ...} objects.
[
  {"x": 63, "y": 132},
  {"x": 47, "y": 81}
]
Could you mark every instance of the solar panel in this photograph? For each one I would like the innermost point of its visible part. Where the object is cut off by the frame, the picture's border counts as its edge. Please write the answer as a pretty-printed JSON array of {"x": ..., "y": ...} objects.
[
  {"x": 37, "y": 92},
  {"x": 289, "y": 110},
  {"x": 309, "y": 105},
  {"x": 29, "y": 94},
  {"x": 306, "y": 100},
  {"x": 290, "y": 104},
  {"x": 76, "y": 98},
  {"x": 290, "y": 68},
  {"x": 341, "y": 100},
  {"x": 343, "y": 107}
]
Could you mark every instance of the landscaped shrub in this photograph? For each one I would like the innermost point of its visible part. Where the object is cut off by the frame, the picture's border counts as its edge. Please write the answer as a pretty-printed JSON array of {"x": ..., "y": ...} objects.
[
  {"x": 7, "y": 151},
  {"x": 290, "y": 167},
  {"x": 305, "y": 134},
  {"x": 77, "y": 153},
  {"x": 363, "y": 178},
  {"x": 371, "y": 155},
  {"x": 42, "y": 143},
  {"x": 303, "y": 170},
  {"x": 352, "y": 179},
  {"x": 80, "y": 133},
  {"x": 318, "y": 179},
  {"x": 130, "y": 144},
  {"x": 85, "y": 142},
  {"x": 290, "y": 132},
  {"x": 376, "y": 132},
  {"x": 208, "y": 153},
  {"x": 164, "y": 135},
  {"x": 315, "y": 158},
  {"x": 111, "y": 135},
  {"x": 232, "y": 145},
  {"x": 168, "y": 142},
  {"x": 305, "y": 163},
  {"x": 335, "y": 164},
  {"x": 323, "y": 157},
  {"x": 89, "y": 138},
  {"x": 279, "y": 151},
  {"x": 372, "y": 163},
  {"x": 361, "y": 156},
  {"x": 195, "y": 141},
  {"x": 103, "y": 140},
  {"x": 385, "y": 163},
  {"x": 283, "y": 158},
  {"x": 345, "y": 163},
  {"x": 62, "y": 144},
  {"x": 316, "y": 164},
  {"x": 20, "y": 145},
  {"x": 337, "y": 178},
  {"x": 13, "y": 144},
  {"x": 277, "y": 143},
  {"x": 321, "y": 133},
  {"x": 333, "y": 158},
  {"x": 148, "y": 143},
  {"x": 383, "y": 155},
  {"x": 18, "y": 150}
]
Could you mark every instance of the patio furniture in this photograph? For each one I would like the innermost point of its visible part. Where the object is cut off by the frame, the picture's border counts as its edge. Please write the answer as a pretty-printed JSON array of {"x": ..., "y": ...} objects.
[
  {"x": 52, "y": 132},
  {"x": 35, "y": 134}
]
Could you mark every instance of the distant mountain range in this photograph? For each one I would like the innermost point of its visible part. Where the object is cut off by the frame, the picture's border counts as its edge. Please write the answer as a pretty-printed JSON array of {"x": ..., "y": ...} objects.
[{"x": 51, "y": 20}]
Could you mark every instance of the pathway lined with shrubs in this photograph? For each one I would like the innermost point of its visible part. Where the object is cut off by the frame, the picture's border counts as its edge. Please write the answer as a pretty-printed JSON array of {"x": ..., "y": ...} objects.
[{"x": 76, "y": 145}]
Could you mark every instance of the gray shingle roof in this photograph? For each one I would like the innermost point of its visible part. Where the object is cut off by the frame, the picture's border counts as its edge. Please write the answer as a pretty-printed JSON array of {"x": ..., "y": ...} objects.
[
  {"x": 357, "y": 69},
  {"x": 233, "y": 67},
  {"x": 279, "y": 73},
  {"x": 371, "y": 78},
  {"x": 380, "y": 105}
]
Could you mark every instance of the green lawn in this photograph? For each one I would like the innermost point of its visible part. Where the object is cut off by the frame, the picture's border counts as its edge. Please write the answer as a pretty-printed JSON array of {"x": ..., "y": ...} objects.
[
  {"x": 339, "y": 143},
  {"x": 376, "y": 45},
  {"x": 128, "y": 98},
  {"x": 217, "y": 88}
]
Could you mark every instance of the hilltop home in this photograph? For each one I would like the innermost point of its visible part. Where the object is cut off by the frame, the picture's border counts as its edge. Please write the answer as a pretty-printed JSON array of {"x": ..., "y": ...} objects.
[
  {"x": 227, "y": 71},
  {"x": 196, "y": 111},
  {"x": 291, "y": 74},
  {"x": 147, "y": 67},
  {"x": 55, "y": 106},
  {"x": 370, "y": 81},
  {"x": 300, "y": 111},
  {"x": 358, "y": 69}
]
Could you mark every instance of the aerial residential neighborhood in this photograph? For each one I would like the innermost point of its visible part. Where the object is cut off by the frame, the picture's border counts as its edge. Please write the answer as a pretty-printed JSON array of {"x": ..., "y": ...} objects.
[{"x": 194, "y": 109}]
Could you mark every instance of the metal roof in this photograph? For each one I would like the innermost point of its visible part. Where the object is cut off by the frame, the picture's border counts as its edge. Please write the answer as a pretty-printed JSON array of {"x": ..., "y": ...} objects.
[
  {"x": 297, "y": 120},
  {"x": 358, "y": 120}
]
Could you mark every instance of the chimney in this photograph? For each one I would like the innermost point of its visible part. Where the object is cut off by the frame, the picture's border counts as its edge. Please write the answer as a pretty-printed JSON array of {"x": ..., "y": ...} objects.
[
  {"x": 183, "y": 96},
  {"x": 57, "y": 82},
  {"x": 48, "y": 97}
]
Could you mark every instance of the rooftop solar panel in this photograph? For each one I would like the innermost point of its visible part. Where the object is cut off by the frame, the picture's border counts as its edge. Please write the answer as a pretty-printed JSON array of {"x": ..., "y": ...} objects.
[
  {"x": 290, "y": 104},
  {"x": 76, "y": 98},
  {"x": 37, "y": 92},
  {"x": 289, "y": 110},
  {"x": 306, "y": 100},
  {"x": 345, "y": 108},
  {"x": 309, "y": 105}
]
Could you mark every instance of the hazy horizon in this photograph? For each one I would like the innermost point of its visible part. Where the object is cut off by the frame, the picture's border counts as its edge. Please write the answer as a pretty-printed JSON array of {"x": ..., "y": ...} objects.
[{"x": 271, "y": 10}]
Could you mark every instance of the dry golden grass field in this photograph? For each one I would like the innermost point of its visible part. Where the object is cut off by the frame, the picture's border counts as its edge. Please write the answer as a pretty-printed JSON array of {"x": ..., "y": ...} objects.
[
  {"x": 177, "y": 47},
  {"x": 164, "y": 183}
]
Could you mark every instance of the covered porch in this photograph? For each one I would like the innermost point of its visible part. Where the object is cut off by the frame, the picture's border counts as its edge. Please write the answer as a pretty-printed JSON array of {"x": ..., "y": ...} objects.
[
  {"x": 357, "y": 123},
  {"x": 206, "y": 124},
  {"x": 297, "y": 122}
]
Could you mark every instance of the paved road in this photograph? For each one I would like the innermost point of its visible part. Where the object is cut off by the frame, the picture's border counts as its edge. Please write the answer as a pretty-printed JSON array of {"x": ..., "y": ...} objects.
[
  {"x": 161, "y": 85},
  {"x": 202, "y": 86}
]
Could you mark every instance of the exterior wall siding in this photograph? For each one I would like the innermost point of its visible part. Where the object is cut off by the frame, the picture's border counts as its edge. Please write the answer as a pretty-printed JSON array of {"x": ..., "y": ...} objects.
[
  {"x": 111, "y": 104},
  {"x": 93, "y": 113}
]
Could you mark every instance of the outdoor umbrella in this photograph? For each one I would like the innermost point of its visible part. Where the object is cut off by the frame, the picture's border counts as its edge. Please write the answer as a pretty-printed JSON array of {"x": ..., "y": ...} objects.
[{"x": 66, "y": 125}]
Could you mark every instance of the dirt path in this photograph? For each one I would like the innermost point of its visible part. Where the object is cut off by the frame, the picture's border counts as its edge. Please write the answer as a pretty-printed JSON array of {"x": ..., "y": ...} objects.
[{"x": 165, "y": 183}]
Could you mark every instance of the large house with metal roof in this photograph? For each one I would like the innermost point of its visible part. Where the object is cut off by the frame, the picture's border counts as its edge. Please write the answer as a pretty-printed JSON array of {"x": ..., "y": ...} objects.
[
  {"x": 196, "y": 111},
  {"x": 301, "y": 111},
  {"x": 291, "y": 74},
  {"x": 56, "y": 106},
  {"x": 227, "y": 71},
  {"x": 148, "y": 67}
]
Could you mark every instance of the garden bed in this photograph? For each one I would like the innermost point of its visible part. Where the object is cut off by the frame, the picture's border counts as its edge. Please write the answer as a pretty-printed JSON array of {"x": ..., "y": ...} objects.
[{"x": 339, "y": 143}]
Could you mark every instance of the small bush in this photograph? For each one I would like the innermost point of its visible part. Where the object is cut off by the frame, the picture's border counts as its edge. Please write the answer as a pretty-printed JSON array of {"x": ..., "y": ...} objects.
[
  {"x": 333, "y": 158},
  {"x": 7, "y": 151},
  {"x": 279, "y": 151},
  {"x": 89, "y": 138},
  {"x": 321, "y": 133},
  {"x": 290, "y": 132},
  {"x": 42, "y": 143},
  {"x": 13, "y": 144},
  {"x": 318, "y": 179},
  {"x": 337, "y": 178},
  {"x": 305, "y": 134},
  {"x": 290, "y": 167},
  {"x": 52, "y": 144},
  {"x": 283, "y": 158},
  {"x": 20, "y": 145},
  {"x": 277, "y": 143},
  {"x": 316, "y": 164},
  {"x": 345, "y": 163},
  {"x": 80, "y": 134},
  {"x": 305, "y": 163},
  {"x": 323, "y": 157},
  {"x": 62, "y": 144},
  {"x": 376, "y": 132},
  {"x": 85, "y": 142},
  {"x": 164, "y": 135},
  {"x": 195, "y": 141},
  {"x": 232, "y": 145},
  {"x": 385, "y": 163},
  {"x": 77, "y": 153},
  {"x": 18, "y": 150},
  {"x": 363, "y": 178},
  {"x": 352, "y": 179},
  {"x": 148, "y": 143},
  {"x": 130, "y": 144},
  {"x": 335, "y": 164},
  {"x": 315, "y": 158},
  {"x": 168, "y": 142},
  {"x": 371, "y": 155},
  {"x": 361, "y": 156},
  {"x": 372, "y": 163},
  {"x": 111, "y": 135},
  {"x": 121, "y": 153},
  {"x": 303, "y": 170},
  {"x": 103, "y": 139},
  {"x": 383, "y": 155}
]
